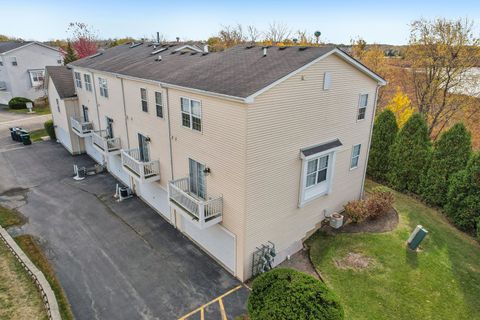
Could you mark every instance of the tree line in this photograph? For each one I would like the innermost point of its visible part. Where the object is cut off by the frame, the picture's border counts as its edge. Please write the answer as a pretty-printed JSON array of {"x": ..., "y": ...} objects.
[{"x": 444, "y": 173}]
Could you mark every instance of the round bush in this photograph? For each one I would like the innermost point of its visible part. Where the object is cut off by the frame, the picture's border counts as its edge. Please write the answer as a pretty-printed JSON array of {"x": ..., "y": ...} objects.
[
  {"x": 18, "y": 103},
  {"x": 50, "y": 129},
  {"x": 284, "y": 294}
]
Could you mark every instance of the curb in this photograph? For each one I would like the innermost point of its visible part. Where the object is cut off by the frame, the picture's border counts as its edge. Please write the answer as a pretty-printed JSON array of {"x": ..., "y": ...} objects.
[{"x": 49, "y": 299}]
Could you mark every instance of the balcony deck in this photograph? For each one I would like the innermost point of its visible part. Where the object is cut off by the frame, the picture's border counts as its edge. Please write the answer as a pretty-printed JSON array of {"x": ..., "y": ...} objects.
[
  {"x": 80, "y": 127},
  {"x": 142, "y": 170},
  {"x": 203, "y": 212},
  {"x": 104, "y": 143}
]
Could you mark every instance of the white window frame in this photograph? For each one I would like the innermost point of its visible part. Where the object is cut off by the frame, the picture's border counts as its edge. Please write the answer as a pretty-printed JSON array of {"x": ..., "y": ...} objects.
[
  {"x": 327, "y": 80},
  {"x": 144, "y": 99},
  {"x": 88, "y": 84},
  {"x": 360, "y": 106},
  {"x": 35, "y": 76},
  {"x": 78, "y": 79},
  {"x": 355, "y": 156},
  {"x": 190, "y": 114},
  {"x": 103, "y": 87},
  {"x": 303, "y": 199},
  {"x": 159, "y": 104}
]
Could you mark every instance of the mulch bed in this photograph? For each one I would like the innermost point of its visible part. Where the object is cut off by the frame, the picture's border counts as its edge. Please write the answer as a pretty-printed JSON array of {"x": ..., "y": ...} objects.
[{"x": 385, "y": 223}]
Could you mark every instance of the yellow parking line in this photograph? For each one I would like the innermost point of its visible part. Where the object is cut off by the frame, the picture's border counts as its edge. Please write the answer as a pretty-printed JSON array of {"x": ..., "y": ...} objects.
[
  {"x": 209, "y": 303},
  {"x": 222, "y": 309}
]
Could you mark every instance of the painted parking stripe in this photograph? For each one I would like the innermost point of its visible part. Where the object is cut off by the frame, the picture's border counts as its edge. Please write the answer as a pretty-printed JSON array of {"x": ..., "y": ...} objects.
[{"x": 217, "y": 299}]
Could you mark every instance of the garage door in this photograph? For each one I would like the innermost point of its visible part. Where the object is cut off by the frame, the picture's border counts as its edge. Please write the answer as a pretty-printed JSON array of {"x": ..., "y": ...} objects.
[
  {"x": 116, "y": 169},
  {"x": 216, "y": 240},
  {"x": 64, "y": 138},
  {"x": 92, "y": 151},
  {"x": 155, "y": 196}
]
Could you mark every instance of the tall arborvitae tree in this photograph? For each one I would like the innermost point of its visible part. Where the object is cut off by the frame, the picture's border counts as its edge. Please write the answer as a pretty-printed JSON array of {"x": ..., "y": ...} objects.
[
  {"x": 410, "y": 154},
  {"x": 69, "y": 54},
  {"x": 463, "y": 201},
  {"x": 450, "y": 155},
  {"x": 384, "y": 133}
]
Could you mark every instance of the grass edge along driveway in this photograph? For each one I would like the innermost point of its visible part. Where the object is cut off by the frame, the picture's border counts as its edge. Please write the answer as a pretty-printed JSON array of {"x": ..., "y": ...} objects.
[{"x": 442, "y": 281}]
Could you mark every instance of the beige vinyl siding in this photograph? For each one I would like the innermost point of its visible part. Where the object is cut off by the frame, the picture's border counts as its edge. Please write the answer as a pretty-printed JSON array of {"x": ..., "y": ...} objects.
[
  {"x": 87, "y": 98},
  {"x": 296, "y": 114},
  {"x": 148, "y": 124},
  {"x": 221, "y": 147},
  {"x": 68, "y": 108}
]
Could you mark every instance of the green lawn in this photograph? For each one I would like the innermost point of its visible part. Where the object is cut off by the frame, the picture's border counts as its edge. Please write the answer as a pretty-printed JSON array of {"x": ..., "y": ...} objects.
[
  {"x": 36, "y": 135},
  {"x": 442, "y": 281},
  {"x": 41, "y": 110}
]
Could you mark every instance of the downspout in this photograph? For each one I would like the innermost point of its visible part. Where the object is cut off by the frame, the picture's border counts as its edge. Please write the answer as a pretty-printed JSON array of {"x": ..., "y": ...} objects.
[
  {"x": 369, "y": 142},
  {"x": 169, "y": 133},
  {"x": 96, "y": 101},
  {"x": 125, "y": 113}
]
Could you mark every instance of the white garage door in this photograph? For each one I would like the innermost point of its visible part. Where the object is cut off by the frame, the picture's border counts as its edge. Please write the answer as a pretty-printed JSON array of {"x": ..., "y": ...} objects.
[
  {"x": 216, "y": 240},
  {"x": 64, "y": 138},
  {"x": 92, "y": 151},
  {"x": 116, "y": 169},
  {"x": 155, "y": 196}
]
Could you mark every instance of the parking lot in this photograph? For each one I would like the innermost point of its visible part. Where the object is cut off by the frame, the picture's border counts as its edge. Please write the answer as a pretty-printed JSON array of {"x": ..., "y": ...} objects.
[{"x": 114, "y": 260}]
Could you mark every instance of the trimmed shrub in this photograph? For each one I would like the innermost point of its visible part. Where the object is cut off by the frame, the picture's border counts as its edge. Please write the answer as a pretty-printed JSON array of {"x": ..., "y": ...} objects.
[
  {"x": 384, "y": 133},
  {"x": 18, "y": 103},
  {"x": 463, "y": 200},
  {"x": 48, "y": 125},
  {"x": 356, "y": 210},
  {"x": 286, "y": 294},
  {"x": 379, "y": 202},
  {"x": 450, "y": 154},
  {"x": 409, "y": 155}
]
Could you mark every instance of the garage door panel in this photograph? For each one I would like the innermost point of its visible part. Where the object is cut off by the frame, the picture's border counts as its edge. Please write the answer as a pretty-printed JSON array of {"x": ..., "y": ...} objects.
[{"x": 216, "y": 240}]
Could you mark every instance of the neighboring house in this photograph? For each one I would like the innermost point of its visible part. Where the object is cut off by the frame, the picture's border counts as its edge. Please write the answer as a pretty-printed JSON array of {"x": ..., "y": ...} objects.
[
  {"x": 237, "y": 148},
  {"x": 67, "y": 117},
  {"x": 22, "y": 67}
]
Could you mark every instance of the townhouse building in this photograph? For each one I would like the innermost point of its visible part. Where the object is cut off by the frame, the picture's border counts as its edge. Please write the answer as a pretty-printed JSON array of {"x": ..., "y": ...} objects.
[{"x": 237, "y": 149}]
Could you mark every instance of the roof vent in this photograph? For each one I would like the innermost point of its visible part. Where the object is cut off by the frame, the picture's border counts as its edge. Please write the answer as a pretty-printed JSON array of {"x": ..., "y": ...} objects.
[
  {"x": 264, "y": 51},
  {"x": 250, "y": 46},
  {"x": 193, "y": 53},
  {"x": 159, "y": 50},
  {"x": 205, "y": 48},
  {"x": 159, "y": 58},
  {"x": 303, "y": 48},
  {"x": 204, "y": 54},
  {"x": 133, "y": 45}
]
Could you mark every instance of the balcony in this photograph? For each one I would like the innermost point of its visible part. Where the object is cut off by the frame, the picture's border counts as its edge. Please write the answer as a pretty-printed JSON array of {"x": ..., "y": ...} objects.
[
  {"x": 204, "y": 213},
  {"x": 142, "y": 170},
  {"x": 104, "y": 143},
  {"x": 80, "y": 127}
]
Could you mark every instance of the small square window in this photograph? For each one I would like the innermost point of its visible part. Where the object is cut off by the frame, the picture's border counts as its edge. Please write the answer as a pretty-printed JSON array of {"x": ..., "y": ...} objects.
[{"x": 191, "y": 113}]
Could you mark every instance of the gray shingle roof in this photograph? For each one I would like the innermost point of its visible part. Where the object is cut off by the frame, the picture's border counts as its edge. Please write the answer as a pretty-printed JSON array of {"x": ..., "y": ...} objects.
[
  {"x": 239, "y": 71},
  {"x": 321, "y": 147},
  {"x": 10, "y": 45},
  {"x": 63, "y": 80}
]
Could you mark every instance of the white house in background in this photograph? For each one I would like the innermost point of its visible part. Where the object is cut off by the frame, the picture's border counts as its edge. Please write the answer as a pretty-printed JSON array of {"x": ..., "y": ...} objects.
[
  {"x": 22, "y": 67},
  {"x": 236, "y": 149}
]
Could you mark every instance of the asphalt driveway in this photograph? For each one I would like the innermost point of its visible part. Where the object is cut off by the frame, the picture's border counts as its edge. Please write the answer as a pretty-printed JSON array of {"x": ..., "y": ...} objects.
[{"x": 114, "y": 260}]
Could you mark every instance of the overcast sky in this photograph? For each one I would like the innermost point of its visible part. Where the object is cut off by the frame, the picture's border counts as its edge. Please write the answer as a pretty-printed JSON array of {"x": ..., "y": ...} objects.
[{"x": 339, "y": 21}]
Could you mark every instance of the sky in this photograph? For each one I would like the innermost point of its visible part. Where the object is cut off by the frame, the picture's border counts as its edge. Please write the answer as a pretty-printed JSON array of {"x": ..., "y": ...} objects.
[{"x": 338, "y": 21}]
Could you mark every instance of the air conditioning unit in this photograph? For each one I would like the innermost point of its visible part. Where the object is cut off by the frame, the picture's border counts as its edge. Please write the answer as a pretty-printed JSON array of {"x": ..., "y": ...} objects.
[{"x": 336, "y": 220}]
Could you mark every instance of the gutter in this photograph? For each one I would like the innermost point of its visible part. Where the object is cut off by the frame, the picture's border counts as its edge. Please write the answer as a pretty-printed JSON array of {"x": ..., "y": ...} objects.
[{"x": 362, "y": 191}]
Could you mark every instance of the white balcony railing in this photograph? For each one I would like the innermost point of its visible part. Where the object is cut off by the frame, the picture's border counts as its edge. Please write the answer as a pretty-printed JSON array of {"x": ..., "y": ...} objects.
[
  {"x": 144, "y": 170},
  {"x": 102, "y": 141},
  {"x": 205, "y": 212},
  {"x": 80, "y": 127}
]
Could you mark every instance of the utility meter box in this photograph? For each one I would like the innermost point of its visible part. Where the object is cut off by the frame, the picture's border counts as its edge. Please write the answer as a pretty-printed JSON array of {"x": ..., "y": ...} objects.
[{"x": 417, "y": 237}]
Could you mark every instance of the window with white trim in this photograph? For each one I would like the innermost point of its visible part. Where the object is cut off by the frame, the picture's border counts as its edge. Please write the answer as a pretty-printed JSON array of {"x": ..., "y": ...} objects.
[
  {"x": 36, "y": 77},
  {"x": 362, "y": 106},
  {"x": 58, "y": 105},
  {"x": 317, "y": 172},
  {"x": 355, "y": 156},
  {"x": 159, "y": 104},
  {"x": 78, "y": 80},
  {"x": 14, "y": 61},
  {"x": 191, "y": 114},
  {"x": 88, "y": 82},
  {"x": 144, "y": 99},
  {"x": 102, "y": 83}
]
